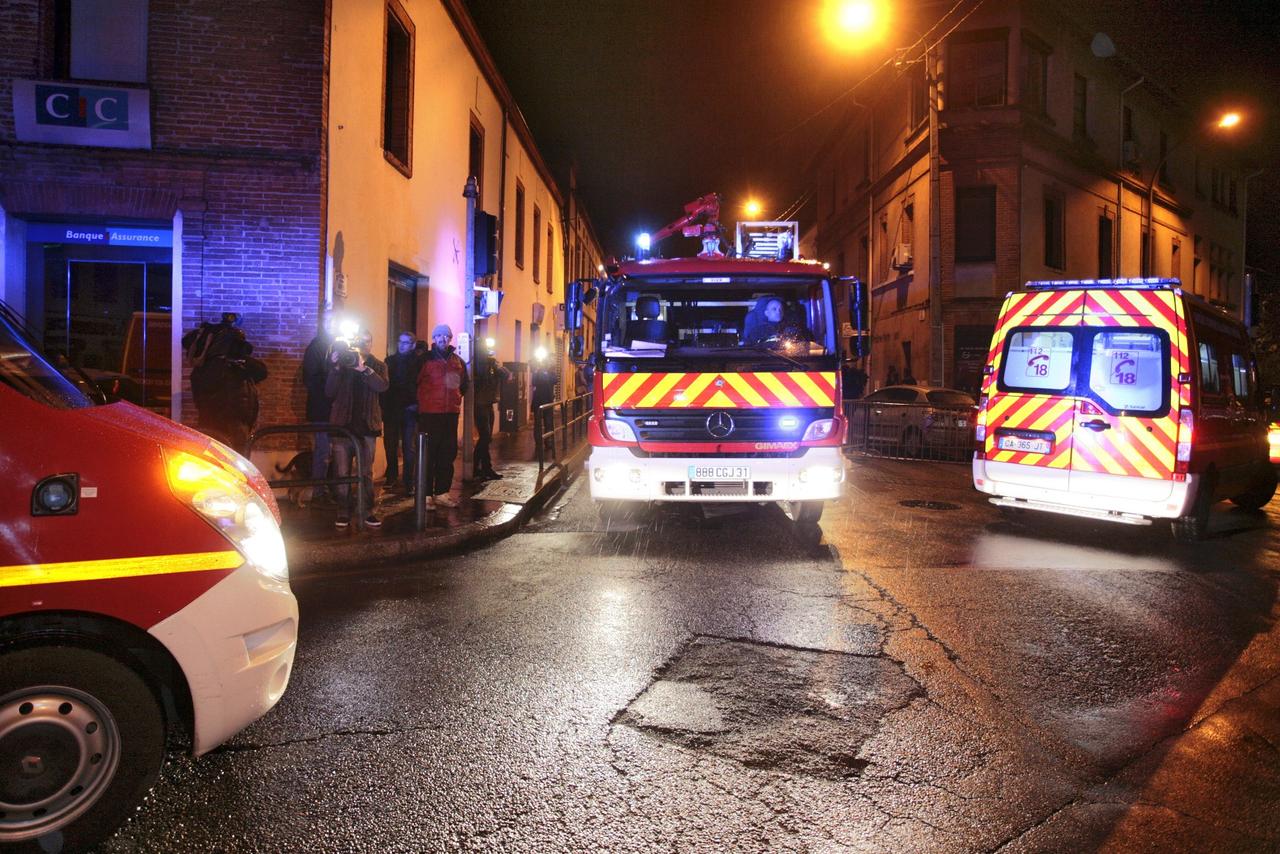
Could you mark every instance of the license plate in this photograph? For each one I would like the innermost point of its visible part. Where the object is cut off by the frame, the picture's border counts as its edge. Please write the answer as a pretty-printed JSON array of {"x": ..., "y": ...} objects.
[
  {"x": 1030, "y": 446},
  {"x": 719, "y": 473}
]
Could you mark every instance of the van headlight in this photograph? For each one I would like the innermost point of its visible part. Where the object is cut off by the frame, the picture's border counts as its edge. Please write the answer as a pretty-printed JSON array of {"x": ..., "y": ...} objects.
[{"x": 223, "y": 496}]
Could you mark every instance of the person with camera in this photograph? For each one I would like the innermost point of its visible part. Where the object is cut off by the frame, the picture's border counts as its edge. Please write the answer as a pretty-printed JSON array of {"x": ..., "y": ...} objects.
[
  {"x": 442, "y": 381},
  {"x": 400, "y": 410},
  {"x": 489, "y": 376},
  {"x": 224, "y": 381},
  {"x": 356, "y": 377}
]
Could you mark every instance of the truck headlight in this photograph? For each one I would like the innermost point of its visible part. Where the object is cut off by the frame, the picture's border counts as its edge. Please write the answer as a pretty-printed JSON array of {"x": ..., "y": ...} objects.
[
  {"x": 224, "y": 498},
  {"x": 819, "y": 430},
  {"x": 619, "y": 431}
]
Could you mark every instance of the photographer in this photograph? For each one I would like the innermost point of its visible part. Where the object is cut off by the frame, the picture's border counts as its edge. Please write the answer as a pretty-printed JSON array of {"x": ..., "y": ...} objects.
[
  {"x": 489, "y": 376},
  {"x": 355, "y": 379},
  {"x": 224, "y": 378}
]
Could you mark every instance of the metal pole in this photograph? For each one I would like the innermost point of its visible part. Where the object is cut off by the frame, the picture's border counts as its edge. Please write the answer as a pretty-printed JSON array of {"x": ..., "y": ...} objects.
[
  {"x": 1119, "y": 256},
  {"x": 469, "y": 325},
  {"x": 361, "y": 465},
  {"x": 420, "y": 484},
  {"x": 937, "y": 359}
]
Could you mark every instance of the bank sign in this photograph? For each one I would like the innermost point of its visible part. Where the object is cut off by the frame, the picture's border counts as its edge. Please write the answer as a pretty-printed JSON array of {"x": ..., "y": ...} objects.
[
  {"x": 59, "y": 112},
  {"x": 104, "y": 235}
]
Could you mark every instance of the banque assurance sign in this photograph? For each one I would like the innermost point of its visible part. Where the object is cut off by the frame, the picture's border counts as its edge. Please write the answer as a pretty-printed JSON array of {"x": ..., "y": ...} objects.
[{"x": 72, "y": 114}]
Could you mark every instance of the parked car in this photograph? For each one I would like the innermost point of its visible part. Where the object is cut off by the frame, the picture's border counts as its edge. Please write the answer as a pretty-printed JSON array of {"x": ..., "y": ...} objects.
[{"x": 914, "y": 421}]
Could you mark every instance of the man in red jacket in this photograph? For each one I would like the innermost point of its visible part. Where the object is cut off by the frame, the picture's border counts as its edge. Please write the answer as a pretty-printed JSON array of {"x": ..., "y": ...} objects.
[{"x": 442, "y": 381}]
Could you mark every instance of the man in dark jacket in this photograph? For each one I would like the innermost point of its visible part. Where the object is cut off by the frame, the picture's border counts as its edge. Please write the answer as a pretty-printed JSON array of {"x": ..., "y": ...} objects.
[
  {"x": 231, "y": 408},
  {"x": 442, "y": 382},
  {"x": 356, "y": 377},
  {"x": 400, "y": 409},
  {"x": 489, "y": 376},
  {"x": 315, "y": 370},
  {"x": 544, "y": 392}
]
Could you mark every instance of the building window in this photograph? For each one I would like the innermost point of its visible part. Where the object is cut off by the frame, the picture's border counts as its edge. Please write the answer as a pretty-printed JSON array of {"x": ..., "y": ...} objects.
[
  {"x": 1106, "y": 236},
  {"x": 919, "y": 95},
  {"x": 101, "y": 40},
  {"x": 402, "y": 303},
  {"x": 519, "y": 248},
  {"x": 397, "y": 94},
  {"x": 1080, "y": 108},
  {"x": 537, "y": 244},
  {"x": 1035, "y": 77},
  {"x": 976, "y": 70},
  {"x": 1055, "y": 236},
  {"x": 976, "y": 223},
  {"x": 475, "y": 160},
  {"x": 551, "y": 259}
]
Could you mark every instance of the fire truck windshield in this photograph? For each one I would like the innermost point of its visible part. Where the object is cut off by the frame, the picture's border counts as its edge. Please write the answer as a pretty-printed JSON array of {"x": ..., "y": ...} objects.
[
  {"x": 26, "y": 371},
  {"x": 646, "y": 318}
]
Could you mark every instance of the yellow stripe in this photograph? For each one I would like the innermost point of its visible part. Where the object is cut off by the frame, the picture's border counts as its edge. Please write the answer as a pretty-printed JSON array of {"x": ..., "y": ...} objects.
[
  {"x": 619, "y": 397},
  {"x": 816, "y": 394},
  {"x": 607, "y": 380},
  {"x": 124, "y": 567},
  {"x": 1163, "y": 451},
  {"x": 744, "y": 388},
  {"x": 779, "y": 390},
  {"x": 695, "y": 388},
  {"x": 664, "y": 385}
]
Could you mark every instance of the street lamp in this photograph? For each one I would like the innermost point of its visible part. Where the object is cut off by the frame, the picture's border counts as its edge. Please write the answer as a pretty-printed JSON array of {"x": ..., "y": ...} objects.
[
  {"x": 1227, "y": 121},
  {"x": 752, "y": 208}
]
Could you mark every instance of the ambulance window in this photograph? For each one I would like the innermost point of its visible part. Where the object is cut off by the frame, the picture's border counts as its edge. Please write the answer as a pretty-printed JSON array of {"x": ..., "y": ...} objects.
[
  {"x": 1209, "y": 379},
  {"x": 1038, "y": 360},
  {"x": 23, "y": 369},
  {"x": 1241, "y": 376},
  {"x": 1128, "y": 370}
]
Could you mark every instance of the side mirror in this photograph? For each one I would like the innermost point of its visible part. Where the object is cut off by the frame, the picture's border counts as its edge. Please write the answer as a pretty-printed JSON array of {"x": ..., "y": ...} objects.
[
  {"x": 590, "y": 294},
  {"x": 574, "y": 298}
]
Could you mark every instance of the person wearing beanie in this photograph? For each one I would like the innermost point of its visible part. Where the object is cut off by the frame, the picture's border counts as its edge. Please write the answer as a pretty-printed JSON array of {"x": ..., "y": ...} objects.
[{"x": 442, "y": 381}]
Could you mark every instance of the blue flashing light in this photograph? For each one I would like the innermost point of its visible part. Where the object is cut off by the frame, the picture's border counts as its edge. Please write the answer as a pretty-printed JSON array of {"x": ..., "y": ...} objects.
[
  {"x": 1148, "y": 283},
  {"x": 788, "y": 422},
  {"x": 643, "y": 241}
]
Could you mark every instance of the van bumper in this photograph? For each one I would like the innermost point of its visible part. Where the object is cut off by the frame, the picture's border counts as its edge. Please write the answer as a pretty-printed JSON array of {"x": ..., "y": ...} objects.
[
  {"x": 616, "y": 474},
  {"x": 235, "y": 645},
  {"x": 1133, "y": 510}
]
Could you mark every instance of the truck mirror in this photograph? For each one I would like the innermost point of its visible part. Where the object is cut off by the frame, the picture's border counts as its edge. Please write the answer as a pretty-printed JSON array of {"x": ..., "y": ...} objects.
[{"x": 590, "y": 294}]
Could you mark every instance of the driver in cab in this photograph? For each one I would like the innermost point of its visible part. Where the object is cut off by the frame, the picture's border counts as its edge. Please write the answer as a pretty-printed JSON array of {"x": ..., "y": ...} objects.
[{"x": 769, "y": 322}]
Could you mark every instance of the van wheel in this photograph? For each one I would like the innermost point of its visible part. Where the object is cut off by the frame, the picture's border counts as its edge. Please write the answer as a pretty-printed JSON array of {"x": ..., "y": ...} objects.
[
  {"x": 805, "y": 512},
  {"x": 1257, "y": 498},
  {"x": 1193, "y": 527},
  {"x": 86, "y": 737},
  {"x": 911, "y": 442}
]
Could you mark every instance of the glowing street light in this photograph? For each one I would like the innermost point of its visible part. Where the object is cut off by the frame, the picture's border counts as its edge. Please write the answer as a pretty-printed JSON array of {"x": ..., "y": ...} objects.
[
  {"x": 1229, "y": 120},
  {"x": 855, "y": 23},
  {"x": 752, "y": 208}
]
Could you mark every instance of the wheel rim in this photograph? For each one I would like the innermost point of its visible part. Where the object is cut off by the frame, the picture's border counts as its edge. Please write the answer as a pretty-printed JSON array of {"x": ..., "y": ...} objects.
[{"x": 59, "y": 750}]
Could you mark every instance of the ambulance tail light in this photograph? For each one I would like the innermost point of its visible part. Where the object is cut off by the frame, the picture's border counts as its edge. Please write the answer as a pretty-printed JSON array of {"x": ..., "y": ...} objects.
[
  {"x": 980, "y": 428},
  {"x": 1186, "y": 426},
  {"x": 224, "y": 497},
  {"x": 1273, "y": 443}
]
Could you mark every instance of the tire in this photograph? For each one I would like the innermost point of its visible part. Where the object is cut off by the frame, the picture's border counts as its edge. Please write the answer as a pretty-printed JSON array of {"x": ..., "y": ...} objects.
[
  {"x": 912, "y": 443},
  {"x": 1260, "y": 495},
  {"x": 1195, "y": 525},
  {"x": 806, "y": 512},
  {"x": 59, "y": 707}
]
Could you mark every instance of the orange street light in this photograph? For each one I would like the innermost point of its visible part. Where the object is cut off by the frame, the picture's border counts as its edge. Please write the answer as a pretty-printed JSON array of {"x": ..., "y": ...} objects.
[
  {"x": 853, "y": 24},
  {"x": 752, "y": 208},
  {"x": 1229, "y": 120}
]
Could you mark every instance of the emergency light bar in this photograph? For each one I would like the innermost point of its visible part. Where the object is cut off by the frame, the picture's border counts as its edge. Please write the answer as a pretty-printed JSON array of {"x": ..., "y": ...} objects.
[{"x": 1141, "y": 283}]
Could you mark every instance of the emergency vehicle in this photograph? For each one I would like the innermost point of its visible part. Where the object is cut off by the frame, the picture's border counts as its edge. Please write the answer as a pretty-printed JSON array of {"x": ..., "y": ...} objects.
[
  {"x": 1126, "y": 400},
  {"x": 715, "y": 378},
  {"x": 144, "y": 594}
]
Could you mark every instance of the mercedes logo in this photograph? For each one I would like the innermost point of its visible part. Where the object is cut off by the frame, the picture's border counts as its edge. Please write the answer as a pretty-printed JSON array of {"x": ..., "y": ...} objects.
[{"x": 719, "y": 424}]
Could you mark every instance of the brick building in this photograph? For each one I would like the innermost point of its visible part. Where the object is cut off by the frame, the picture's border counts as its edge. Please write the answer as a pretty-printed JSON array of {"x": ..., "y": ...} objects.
[
  {"x": 1048, "y": 155},
  {"x": 162, "y": 162}
]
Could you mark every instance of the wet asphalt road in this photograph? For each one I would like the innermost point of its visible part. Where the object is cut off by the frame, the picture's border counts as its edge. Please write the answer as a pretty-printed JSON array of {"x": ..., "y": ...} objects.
[{"x": 929, "y": 678}]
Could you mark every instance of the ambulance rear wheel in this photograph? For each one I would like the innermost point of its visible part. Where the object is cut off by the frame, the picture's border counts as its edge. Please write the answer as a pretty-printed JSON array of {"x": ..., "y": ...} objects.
[
  {"x": 81, "y": 742},
  {"x": 1260, "y": 495},
  {"x": 1195, "y": 525}
]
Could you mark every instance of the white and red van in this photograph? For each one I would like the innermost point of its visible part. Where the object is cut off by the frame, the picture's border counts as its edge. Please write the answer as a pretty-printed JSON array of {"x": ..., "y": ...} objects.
[
  {"x": 144, "y": 595},
  {"x": 1127, "y": 400}
]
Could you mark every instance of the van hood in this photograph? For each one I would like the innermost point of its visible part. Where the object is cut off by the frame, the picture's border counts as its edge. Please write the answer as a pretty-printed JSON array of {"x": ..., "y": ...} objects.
[{"x": 148, "y": 425}]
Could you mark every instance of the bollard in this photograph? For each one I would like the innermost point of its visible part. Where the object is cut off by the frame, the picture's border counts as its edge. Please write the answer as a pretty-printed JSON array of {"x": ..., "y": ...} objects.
[{"x": 420, "y": 484}]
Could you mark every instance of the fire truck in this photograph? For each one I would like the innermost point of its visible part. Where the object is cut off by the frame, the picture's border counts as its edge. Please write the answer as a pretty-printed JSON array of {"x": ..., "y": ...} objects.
[
  {"x": 144, "y": 599},
  {"x": 715, "y": 378}
]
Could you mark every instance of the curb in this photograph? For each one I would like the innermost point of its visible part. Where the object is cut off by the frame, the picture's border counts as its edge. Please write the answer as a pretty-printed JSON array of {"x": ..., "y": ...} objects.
[{"x": 306, "y": 558}]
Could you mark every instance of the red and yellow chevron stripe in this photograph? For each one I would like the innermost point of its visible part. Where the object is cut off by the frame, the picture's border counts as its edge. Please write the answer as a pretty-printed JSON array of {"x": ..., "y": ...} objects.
[
  {"x": 1033, "y": 412},
  {"x": 694, "y": 390}
]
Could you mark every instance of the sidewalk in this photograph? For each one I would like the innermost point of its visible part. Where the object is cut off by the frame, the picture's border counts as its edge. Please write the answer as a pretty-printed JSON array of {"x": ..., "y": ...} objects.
[{"x": 487, "y": 510}]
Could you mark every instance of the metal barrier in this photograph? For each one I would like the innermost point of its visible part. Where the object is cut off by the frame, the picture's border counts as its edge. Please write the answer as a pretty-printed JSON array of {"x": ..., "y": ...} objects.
[
  {"x": 914, "y": 431},
  {"x": 362, "y": 465},
  {"x": 571, "y": 431}
]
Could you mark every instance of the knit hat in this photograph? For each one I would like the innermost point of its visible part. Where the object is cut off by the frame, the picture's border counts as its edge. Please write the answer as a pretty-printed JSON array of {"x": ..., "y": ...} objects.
[{"x": 442, "y": 329}]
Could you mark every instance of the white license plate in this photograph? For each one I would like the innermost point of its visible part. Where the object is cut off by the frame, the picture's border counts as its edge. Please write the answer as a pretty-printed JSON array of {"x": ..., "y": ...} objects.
[
  {"x": 1017, "y": 443},
  {"x": 719, "y": 473}
]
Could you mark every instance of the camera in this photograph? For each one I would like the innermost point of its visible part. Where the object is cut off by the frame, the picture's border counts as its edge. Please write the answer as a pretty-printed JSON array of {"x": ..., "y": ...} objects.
[{"x": 347, "y": 355}]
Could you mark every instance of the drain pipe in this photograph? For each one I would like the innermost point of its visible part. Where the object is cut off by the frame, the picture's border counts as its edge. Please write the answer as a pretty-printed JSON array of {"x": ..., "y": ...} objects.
[{"x": 1119, "y": 255}]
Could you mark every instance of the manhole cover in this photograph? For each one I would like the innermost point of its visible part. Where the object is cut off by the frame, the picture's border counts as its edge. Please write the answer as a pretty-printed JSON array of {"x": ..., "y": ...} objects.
[
  {"x": 924, "y": 504},
  {"x": 774, "y": 707}
]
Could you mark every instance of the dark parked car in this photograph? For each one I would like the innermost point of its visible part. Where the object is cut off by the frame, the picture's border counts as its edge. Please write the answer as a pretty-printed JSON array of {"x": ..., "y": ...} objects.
[{"x": 914, "y": 421}]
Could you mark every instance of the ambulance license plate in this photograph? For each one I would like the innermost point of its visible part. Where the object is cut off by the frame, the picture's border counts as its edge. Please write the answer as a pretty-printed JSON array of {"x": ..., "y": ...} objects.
[
  {"x": 1029, "y": 446},
  {"x": 719, "y": 473}
]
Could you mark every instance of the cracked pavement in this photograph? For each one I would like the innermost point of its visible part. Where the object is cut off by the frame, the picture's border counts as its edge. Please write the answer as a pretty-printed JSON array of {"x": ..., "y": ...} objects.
[{"x": 921, "y": 679}]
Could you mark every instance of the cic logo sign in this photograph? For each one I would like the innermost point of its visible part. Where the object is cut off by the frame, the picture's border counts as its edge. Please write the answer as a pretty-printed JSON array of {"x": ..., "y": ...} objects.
[{"x": 72, "y": 106}]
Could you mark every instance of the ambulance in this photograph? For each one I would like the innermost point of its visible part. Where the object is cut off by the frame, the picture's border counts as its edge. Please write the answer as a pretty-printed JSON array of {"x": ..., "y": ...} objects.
[
  {"x": 1126, "y": 400},
  {"x": 144, "y": 600}
]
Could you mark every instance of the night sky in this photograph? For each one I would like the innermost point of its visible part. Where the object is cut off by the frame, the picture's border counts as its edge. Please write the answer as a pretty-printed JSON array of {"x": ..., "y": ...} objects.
[{"x": 660, "y": 102}]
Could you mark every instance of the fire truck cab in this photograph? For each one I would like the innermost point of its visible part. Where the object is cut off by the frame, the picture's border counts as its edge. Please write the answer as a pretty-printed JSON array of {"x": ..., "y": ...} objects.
[
  {"x": 1126, "y": 400},
  {"x": 144, "y": 597}
]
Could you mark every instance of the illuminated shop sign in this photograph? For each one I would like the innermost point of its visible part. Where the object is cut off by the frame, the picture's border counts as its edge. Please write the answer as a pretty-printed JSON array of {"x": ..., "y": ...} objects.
[
  {"x": 104, "y": 235},
  {"x": 59, "y": 112}
]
